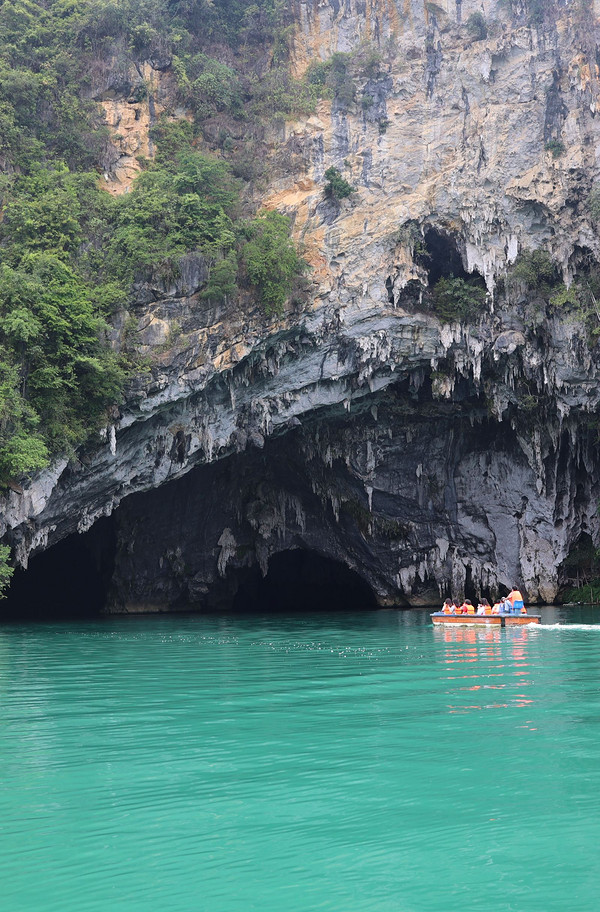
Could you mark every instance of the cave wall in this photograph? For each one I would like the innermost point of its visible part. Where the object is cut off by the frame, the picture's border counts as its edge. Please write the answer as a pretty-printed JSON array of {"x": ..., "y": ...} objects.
[{"x": 420, "y": 497}]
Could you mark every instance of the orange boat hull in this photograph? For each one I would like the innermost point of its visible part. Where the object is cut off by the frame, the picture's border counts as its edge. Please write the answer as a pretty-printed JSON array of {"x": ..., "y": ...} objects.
[{"x": 486, "y": 620}]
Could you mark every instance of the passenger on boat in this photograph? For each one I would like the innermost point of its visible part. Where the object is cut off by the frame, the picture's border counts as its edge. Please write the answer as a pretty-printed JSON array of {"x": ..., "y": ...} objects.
[
  {"x": 484, "y": 607},
  {"x": 516, "y": 601},
  {"x": 448, "y": 607},
  {"x": 497, "y": 607},
  {"x": 468, "y": 607},
  {"x": 457, "y": 607}
]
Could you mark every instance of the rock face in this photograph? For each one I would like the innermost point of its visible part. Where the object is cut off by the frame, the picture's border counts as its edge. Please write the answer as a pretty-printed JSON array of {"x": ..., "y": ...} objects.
[
  {"x": 424, "y": 456},
  {"x": 459, "y": 133},
  {"x": 132, "y": 98},
  {"x": 408, "y": 492}
]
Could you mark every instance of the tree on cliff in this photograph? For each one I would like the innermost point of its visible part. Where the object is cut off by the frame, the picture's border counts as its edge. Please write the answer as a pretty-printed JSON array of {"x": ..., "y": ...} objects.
[
  {"x": 271, "y": 260},
  {"x": 337, "y": 186}
]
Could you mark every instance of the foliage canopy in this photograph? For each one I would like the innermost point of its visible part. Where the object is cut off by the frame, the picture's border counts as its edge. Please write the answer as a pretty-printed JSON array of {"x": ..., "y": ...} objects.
[
  {"x": 271, "y": 260},
  {"x": 337, "y": 186},
  {"x": 535, "y": 270},
  {"x": 457, "y": 299},
  {"x": 69, "y": 253}
]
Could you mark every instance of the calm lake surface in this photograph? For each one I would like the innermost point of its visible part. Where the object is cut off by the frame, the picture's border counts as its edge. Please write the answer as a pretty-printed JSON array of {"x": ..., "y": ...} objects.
[{"x": 359, "y": 763}]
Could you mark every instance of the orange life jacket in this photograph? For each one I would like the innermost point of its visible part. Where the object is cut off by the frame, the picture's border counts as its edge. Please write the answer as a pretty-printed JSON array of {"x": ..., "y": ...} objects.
[
  {"x": 487, "y": 609},
  {"x": 468, "y": 609},
  {"x": 447, "y": 609}
]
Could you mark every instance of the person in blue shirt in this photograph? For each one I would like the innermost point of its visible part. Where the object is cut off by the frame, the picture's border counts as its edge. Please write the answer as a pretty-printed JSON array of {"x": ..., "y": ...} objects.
[{"x": 516, "y": 601}]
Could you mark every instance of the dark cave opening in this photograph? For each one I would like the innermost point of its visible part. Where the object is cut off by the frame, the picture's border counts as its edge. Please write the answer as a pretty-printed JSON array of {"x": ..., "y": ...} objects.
[
  {"x": 300, "y": 580},
  {"x": 389, "y": 285},
  {"x": 443, "y": 258},
  {"x": 470, "y": 590},
  {"x": 581, "y": 567},
  {"x": 69, "y": 580},
  {"x": 475, "y": 593}
]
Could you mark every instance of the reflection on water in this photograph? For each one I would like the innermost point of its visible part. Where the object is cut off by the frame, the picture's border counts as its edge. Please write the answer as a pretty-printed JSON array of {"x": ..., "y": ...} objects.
[
  {"x": 497, "y": 659},
  {"x": 310, "y": 762}
]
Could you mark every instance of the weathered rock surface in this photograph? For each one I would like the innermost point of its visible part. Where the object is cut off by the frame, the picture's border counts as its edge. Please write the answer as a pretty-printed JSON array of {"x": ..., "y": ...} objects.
[
  {"x": 409, "y": 493},
  {"x": 422, "y": 455}
]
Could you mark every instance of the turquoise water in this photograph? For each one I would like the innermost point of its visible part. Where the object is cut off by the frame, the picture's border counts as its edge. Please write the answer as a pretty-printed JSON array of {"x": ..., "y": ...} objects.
[{"x": 363, "y": 763}]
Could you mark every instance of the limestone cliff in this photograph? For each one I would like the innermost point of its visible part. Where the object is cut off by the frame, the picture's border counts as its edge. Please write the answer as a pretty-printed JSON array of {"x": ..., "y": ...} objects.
[{"x": 423, "y": 455}]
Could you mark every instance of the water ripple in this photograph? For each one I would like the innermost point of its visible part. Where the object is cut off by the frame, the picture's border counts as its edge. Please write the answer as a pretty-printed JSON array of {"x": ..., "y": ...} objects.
[{"x": 294, "y": 764}]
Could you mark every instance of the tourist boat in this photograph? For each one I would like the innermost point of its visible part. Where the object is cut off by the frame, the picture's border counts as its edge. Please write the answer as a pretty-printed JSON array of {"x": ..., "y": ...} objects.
[{"x": 485, "y": 620}]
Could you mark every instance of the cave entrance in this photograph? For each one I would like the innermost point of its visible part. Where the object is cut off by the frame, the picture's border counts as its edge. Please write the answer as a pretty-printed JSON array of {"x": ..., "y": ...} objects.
[
  {"x": 300, "y": 580},
  {"x": 470, "y": 590},
  {"x": 442, "y": 259},
  {"x": 581, "y": 567},
  {"x": 69, "y": 580}
]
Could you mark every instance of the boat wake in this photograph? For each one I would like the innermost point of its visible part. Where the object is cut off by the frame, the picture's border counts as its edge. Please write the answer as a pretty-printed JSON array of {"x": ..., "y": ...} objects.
[{"x": 595, "y": 627}]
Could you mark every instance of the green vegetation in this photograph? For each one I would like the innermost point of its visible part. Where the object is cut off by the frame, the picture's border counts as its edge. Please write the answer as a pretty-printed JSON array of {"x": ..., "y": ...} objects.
[
  {"x": 209, "y": 88},
  {"x": 336, "y": 77},
  {"x": 581, "y": 300},
  {"x": 458, "y": 299},
  {"x": 337, "y": 186},
  {"x": 528, "y": 402},
  {"x": 360, "y": 514},
  {"x": 368, "y": 522},
  {"x": 391, "y": 528},
  {"x": 588, "y": 296},
  {"x": 556, "y": 147},
  {"x": 580, "y": 573},
  {"x": 69, "y": 253},
  {"x": 535, "y": 270},
  {"x": 271, "y": 261},
  {"x": 411, "y": 235},
  {"x": 594, "y": 204},
  {"x": 57, "y": 375},
  {"x": 207, "y": 85},
  {"x": 6, "y": 571},
  {"x": 477, "y": 26},
  {"x": 563, "y": 297},
  {"x": 589, "y": 594},
  {"x": 184, "y": 202}
]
